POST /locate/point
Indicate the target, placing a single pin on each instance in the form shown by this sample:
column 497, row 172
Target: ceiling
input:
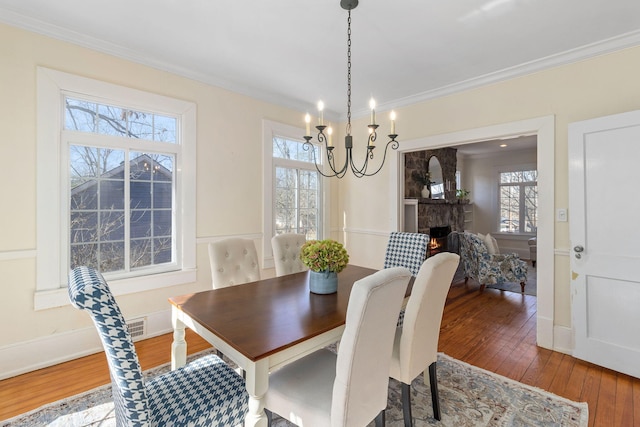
column 293, row 52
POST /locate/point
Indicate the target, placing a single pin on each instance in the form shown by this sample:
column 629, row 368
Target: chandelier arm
column 360, row 172
column 308, row 145
column 394, row 146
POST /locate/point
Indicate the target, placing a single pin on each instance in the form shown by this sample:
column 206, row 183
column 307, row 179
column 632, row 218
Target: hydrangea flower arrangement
column 324, row 255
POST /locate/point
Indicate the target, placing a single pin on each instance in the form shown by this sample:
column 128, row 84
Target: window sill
column 513, row 236
column 60, row 297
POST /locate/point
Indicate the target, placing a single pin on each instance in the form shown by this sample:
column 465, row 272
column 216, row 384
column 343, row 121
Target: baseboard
column 563, row 339
column 47, row 351
column 544, row 332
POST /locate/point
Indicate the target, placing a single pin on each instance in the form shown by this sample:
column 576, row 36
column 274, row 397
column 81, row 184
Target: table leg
column 179, row 345
column 257, row 382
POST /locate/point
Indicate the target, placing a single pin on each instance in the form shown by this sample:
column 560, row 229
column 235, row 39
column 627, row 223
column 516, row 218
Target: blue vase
column 323, row 282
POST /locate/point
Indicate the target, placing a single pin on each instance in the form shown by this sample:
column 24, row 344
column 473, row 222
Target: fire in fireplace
column 438, row 239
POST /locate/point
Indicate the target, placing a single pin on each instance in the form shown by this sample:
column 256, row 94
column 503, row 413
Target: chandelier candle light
column 326, row 139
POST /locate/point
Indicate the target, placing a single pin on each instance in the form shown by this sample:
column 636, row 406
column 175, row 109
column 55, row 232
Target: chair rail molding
column 19, row 254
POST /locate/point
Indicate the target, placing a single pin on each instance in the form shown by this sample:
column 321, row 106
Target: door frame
column 544, row 129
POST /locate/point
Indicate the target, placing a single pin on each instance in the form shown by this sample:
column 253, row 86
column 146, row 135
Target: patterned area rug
column 469, row 396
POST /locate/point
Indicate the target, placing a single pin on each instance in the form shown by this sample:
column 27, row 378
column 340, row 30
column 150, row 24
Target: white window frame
column 503, row 169
column 271, row 129
column 52, row 210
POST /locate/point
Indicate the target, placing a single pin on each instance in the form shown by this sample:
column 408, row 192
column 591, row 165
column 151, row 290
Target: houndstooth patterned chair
column 406, row 250
column 205, row 392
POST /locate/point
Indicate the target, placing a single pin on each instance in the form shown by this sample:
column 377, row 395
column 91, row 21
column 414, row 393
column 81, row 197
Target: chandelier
column 325, row 139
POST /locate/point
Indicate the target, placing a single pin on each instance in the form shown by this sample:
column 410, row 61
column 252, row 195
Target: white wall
column 229, row 190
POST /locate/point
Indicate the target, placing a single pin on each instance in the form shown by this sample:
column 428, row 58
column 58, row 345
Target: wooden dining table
column 264, row 325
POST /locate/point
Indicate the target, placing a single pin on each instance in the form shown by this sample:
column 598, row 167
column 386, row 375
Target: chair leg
column 380, row 419
column 406, row 404
column 482, row 287
column 522, row 286
column 269, row 416
column 435, row 399
column 466, row 279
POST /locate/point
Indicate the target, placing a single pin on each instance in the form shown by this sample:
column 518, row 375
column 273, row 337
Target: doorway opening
column 543, row 128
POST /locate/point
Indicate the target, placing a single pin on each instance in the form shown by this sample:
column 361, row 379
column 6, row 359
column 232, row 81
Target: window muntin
column 518, row 201
column 120, row 212
column 296, row 189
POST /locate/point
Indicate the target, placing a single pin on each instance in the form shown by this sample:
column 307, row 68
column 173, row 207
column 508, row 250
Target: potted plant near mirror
column 463, row 195
column 424, row 179
column 325, row 259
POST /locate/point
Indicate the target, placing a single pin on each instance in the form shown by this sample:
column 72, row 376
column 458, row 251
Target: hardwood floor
column 493, row 330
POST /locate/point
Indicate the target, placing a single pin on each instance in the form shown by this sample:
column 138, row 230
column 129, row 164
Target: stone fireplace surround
column 434, row 212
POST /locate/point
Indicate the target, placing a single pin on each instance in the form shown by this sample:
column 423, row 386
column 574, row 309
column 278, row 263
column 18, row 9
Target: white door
column 604, row 212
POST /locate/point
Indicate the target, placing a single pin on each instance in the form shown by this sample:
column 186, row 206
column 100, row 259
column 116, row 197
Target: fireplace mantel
column 422, row 200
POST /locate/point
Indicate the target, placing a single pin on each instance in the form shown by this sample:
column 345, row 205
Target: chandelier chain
column 349, row 74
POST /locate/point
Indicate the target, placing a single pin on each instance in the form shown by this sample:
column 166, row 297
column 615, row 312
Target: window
column 295, row 199
column 296, row 189
column 518, row 192
column 120, row 213
column 125, row 201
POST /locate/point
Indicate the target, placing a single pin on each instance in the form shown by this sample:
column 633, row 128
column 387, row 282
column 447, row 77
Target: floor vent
column 137, row 328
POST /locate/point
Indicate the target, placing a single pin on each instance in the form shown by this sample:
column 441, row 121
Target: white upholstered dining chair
column 415, row 348
column 234, row 261
column 348, row 389
column 286, row 253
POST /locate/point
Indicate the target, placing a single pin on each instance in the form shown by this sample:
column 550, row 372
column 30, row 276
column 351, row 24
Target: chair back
column 406, row 250
column 361, row 385
column 233, row 261
column 472, row 251
column 286, row 253
column 89, row 291
column 419, row 335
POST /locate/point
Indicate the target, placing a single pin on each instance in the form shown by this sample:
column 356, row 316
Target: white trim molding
column 544, row 129
column 52, row 248
column 27, row 356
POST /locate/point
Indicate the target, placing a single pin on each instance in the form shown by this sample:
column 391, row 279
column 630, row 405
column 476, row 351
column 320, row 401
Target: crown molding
column 602, row 47
column 582, row 53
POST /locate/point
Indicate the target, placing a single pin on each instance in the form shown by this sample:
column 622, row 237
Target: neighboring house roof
column 139, row 161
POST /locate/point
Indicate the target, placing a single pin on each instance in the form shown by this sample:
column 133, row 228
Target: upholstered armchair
column 489, row 269
column 533, row 250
